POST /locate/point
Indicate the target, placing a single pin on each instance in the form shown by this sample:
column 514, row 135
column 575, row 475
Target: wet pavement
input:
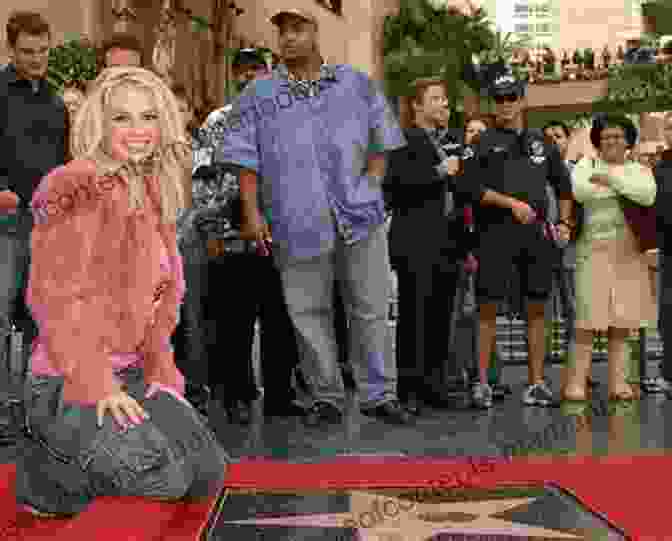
column 637, row 428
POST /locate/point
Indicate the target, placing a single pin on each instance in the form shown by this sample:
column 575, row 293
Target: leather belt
column 221, row 247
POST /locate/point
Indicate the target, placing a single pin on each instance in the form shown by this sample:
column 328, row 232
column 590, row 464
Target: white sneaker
column 658, row 385
column 538, row 394
column 482, row 395
column 37, row 513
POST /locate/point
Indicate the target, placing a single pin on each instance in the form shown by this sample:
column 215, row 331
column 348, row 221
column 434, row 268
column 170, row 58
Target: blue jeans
column 67, row 460
column 363, row 274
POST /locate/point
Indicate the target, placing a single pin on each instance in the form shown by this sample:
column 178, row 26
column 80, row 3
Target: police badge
column 537, row 152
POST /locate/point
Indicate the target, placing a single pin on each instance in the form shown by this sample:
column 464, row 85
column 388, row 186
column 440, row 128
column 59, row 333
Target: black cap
column 250, row 56
column 495, row 79
column 501, row 81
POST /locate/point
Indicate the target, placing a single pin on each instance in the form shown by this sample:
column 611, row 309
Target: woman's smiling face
column 132, row 123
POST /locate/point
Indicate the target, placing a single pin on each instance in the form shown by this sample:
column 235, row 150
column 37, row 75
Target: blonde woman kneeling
column 105, row 408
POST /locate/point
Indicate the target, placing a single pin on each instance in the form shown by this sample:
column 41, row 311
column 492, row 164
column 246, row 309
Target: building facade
column 350, row 32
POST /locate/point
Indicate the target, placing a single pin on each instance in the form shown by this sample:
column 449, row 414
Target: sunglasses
column 510, row 98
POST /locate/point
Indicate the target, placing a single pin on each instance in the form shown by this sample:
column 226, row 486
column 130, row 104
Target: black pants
column 231, row 310
column 665, row 314
column 279, row 347
column 21, row 313
column 243, row 287
column 427, row 289
column 189, row 337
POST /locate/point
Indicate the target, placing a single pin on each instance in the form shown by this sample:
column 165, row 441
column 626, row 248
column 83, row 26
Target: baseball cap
column 503, row 82
column 294, row 12
column 248, row 56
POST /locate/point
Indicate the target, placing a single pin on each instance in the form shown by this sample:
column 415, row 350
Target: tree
column 425, row 40
column 657, row 16
column 503, row 47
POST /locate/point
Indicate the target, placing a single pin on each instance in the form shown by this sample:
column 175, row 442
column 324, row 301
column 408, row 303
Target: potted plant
column 74, row 61
column 577, row 58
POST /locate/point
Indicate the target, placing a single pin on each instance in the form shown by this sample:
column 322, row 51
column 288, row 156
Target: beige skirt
column 614, row 286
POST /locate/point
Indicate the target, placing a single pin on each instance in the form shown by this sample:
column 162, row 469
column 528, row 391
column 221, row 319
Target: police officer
column 507, row 184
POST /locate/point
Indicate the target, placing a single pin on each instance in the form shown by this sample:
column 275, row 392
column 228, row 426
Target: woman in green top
column 612, row 281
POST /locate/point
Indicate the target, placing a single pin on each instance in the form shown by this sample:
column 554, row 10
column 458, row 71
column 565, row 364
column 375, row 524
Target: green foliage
column 425, row 41
column 638, row 88
column 72, row 61
column 199, row 23
column 661, row 11
column 503, row 47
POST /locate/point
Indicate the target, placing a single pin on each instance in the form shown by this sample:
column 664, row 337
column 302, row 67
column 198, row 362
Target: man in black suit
column 425, row 245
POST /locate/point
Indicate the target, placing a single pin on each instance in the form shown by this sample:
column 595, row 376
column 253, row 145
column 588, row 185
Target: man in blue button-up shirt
column 316, row 135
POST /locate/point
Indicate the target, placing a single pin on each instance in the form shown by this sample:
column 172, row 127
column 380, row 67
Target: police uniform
column 518, row 164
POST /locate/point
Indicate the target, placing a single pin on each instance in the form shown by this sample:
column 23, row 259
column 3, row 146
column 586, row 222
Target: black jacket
column 515, row 164
column 663, row 175
column 33, row 133
column 416, row 194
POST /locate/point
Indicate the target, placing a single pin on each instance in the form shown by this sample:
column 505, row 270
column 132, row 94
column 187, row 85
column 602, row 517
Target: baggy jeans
column 67, row 460
column 364, row 274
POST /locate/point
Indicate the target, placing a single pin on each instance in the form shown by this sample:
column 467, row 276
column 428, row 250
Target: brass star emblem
column 390, row 518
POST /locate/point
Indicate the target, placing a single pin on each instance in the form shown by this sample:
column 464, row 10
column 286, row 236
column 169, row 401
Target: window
column 521, row 9
column 543, row 9
column 521, row 28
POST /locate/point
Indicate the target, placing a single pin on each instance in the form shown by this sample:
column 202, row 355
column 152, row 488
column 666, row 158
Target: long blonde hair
column 173, row 153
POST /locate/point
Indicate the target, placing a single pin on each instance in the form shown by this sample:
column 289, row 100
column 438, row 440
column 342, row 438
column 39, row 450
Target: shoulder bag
column 642, row 222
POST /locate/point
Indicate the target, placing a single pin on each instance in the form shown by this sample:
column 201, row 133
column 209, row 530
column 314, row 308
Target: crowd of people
column 142, row 300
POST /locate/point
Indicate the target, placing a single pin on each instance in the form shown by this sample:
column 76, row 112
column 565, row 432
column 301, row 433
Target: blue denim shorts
column 67, row 460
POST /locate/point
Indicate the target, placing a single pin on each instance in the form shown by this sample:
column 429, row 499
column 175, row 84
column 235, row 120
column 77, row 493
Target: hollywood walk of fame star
column 419, row 521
